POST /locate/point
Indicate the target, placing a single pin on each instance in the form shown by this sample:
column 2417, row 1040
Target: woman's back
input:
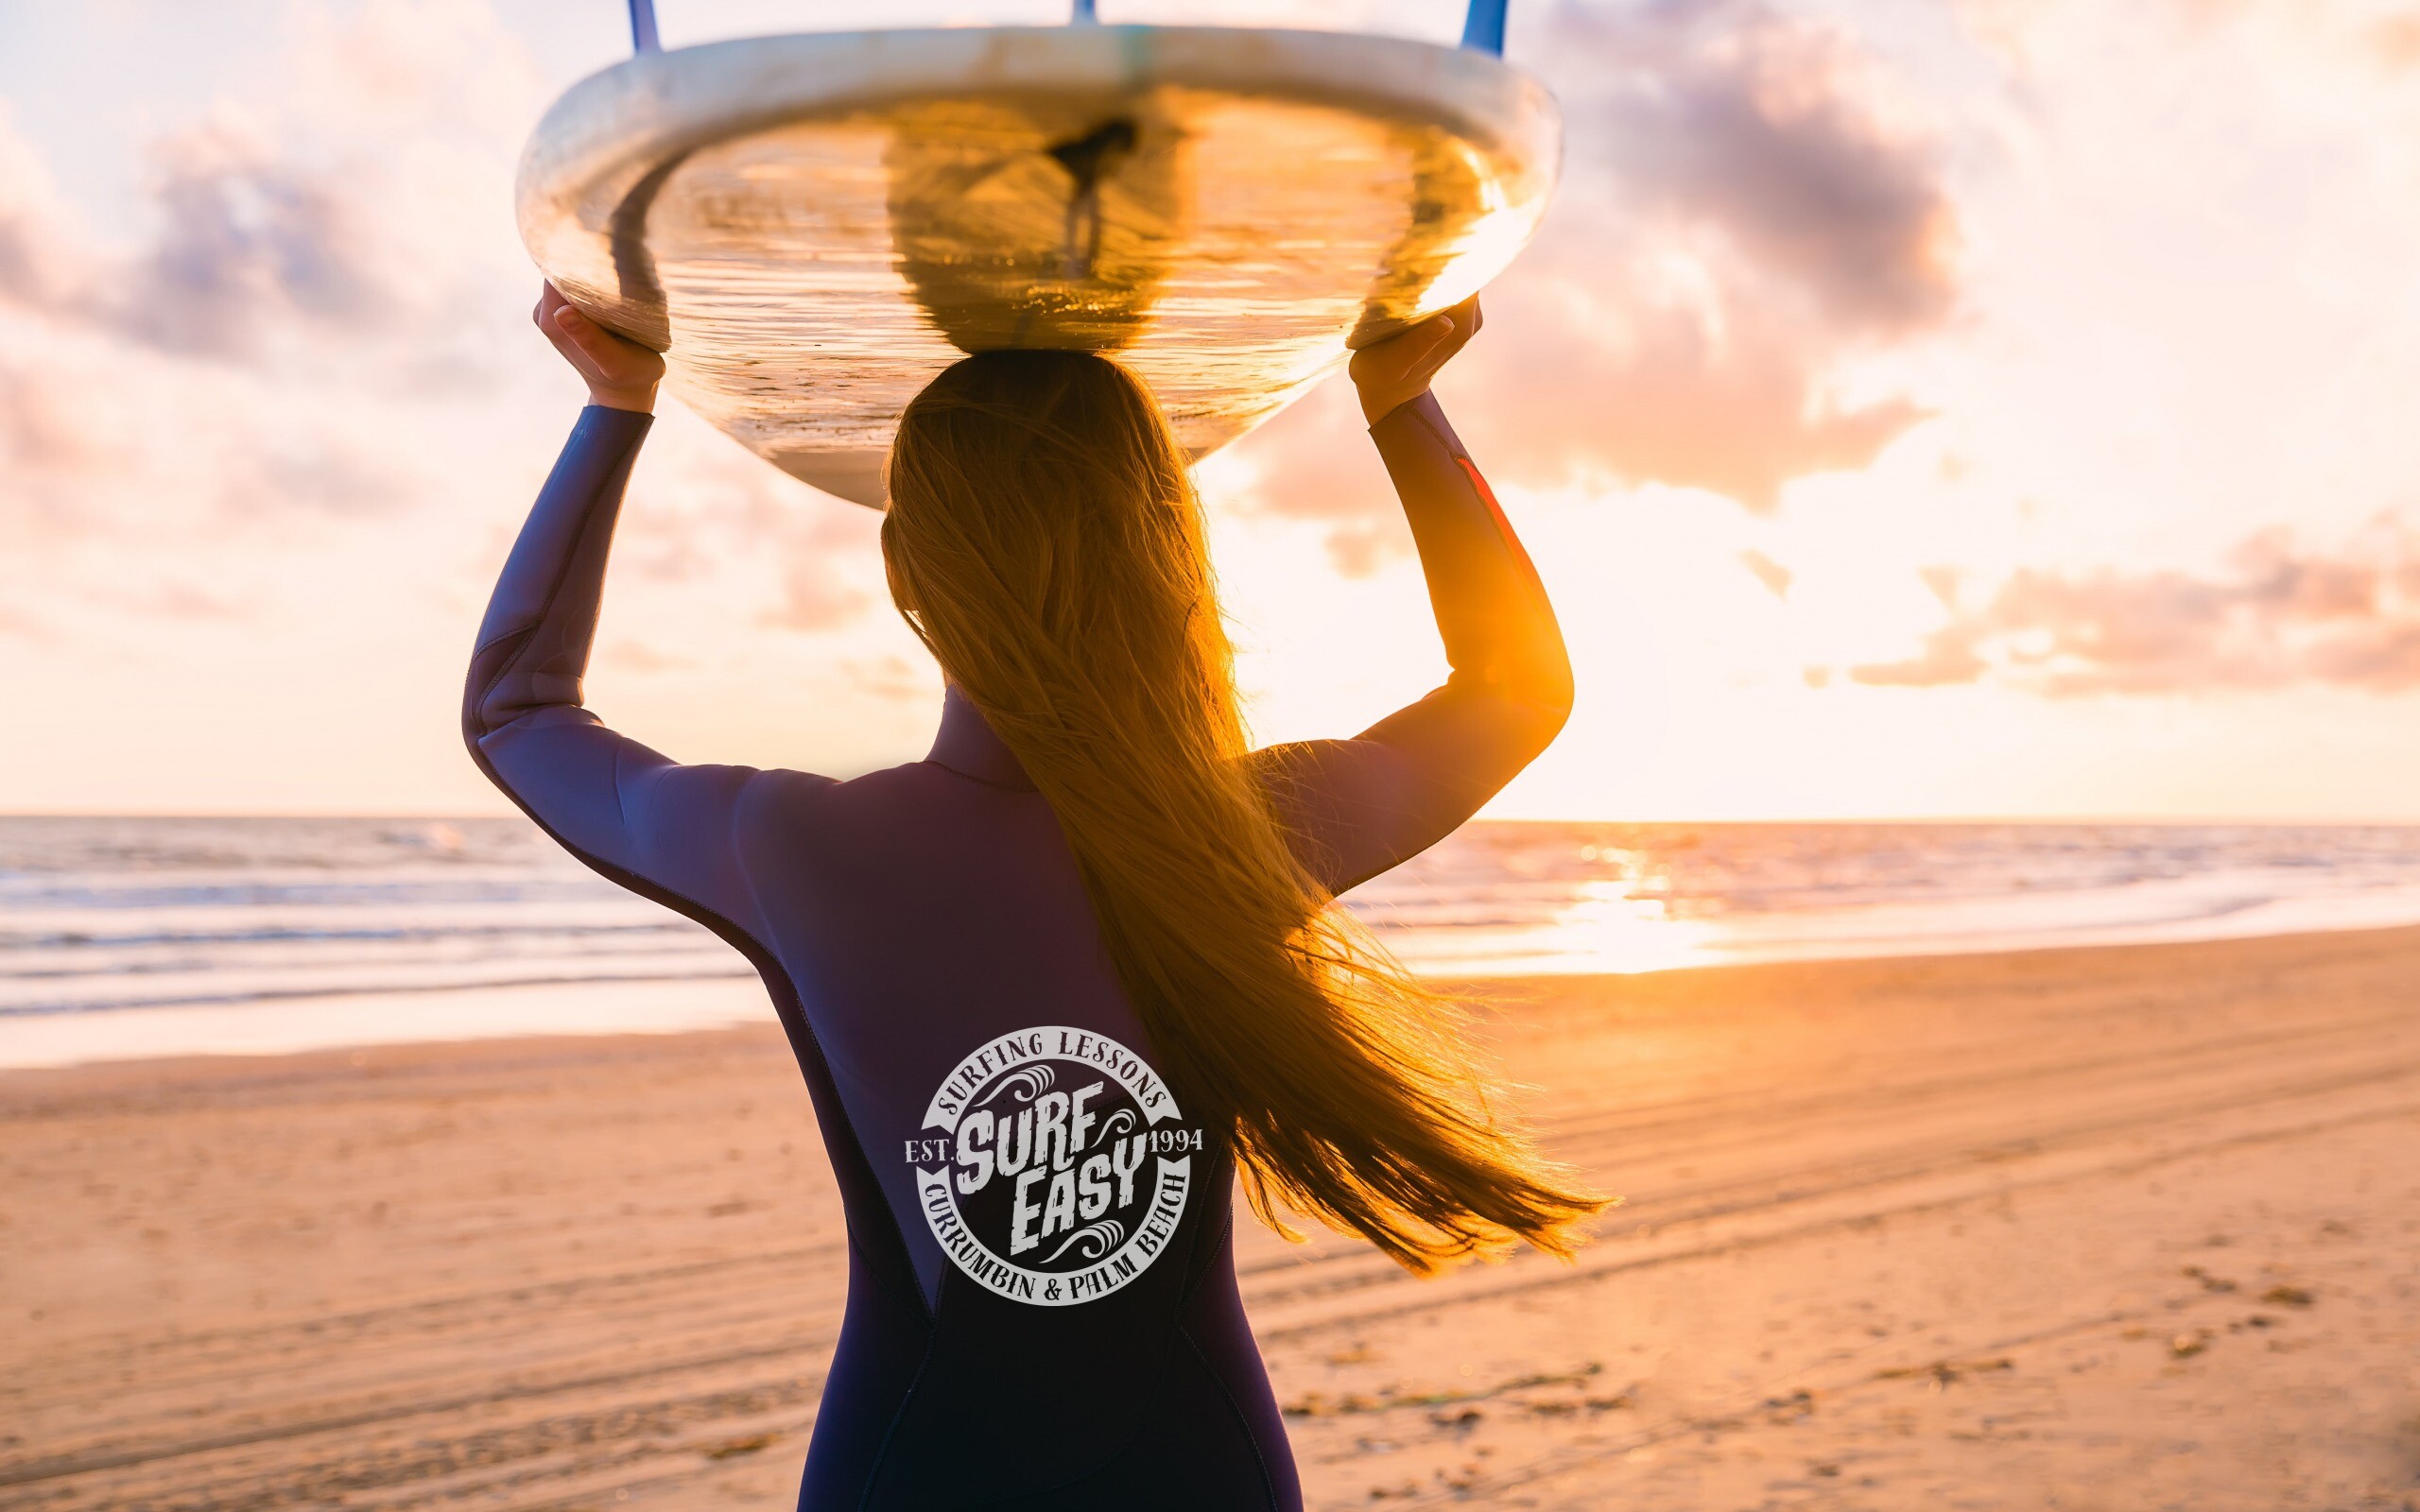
column 1041, row 1304
column 1035, row 1225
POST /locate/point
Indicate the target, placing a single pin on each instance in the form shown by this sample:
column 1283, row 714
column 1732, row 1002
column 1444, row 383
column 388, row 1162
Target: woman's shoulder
column 911, row 791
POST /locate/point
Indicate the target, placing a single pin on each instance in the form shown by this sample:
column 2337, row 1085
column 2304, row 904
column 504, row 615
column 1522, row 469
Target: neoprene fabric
column 1062, row 1330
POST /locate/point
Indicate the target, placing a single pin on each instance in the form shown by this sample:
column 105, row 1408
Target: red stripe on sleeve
column 1495, row 512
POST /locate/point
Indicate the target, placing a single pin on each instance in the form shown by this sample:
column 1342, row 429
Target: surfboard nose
column 812, row 226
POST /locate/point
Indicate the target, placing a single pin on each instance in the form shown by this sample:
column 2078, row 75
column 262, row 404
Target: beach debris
column 749, row 1444
column 1389, row 1397
column 2185, row 1345
column 1319, row 1404
column 2209, row 1282
column 1823, row 1469
column 2284, row 1296
column 1946, row 1373
column 1796, row 1407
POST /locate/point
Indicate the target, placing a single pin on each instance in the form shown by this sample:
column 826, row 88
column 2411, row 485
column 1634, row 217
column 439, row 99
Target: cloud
column 330, row 205
column 179, row 599
column 305, row 342
column 1728, row 115
column 1948, row 657
column 301, row 334
column 2278, row 616
column 24, row 626
column 1664, row 396
column 2394, row 40
column 39, row 427
column 1776, row 577
column 703, row 511
column 30, row 214
column 1745, row 210
column 251, row 243
column 332, row 482
column 815, row 598
column 637, row 655
column 894, row 679
column 1313, row 462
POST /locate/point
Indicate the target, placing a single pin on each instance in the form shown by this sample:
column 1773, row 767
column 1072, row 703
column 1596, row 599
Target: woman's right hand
column 1393, row 373
column 621, row 374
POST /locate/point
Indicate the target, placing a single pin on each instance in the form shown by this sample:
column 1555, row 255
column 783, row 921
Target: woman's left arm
column 652, row 824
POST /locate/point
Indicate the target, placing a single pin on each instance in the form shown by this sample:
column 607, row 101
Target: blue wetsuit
column 1042, row 1308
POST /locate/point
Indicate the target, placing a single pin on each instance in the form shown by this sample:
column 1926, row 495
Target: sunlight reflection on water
column 1506, row 899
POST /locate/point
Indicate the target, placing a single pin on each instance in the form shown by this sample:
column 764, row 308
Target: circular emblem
column 1055, row 1167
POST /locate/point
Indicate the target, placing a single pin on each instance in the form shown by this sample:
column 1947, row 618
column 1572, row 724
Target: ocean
column 126, row 937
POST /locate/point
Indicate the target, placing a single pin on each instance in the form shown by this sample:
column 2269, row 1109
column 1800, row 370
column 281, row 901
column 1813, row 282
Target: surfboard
column 811, row 227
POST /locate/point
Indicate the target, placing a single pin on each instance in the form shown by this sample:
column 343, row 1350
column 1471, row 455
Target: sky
column 1917, row 408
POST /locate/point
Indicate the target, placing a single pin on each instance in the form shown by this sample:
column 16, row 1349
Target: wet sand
column 2119, row 1228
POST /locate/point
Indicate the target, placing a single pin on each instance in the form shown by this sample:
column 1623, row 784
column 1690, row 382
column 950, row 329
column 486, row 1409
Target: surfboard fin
column 1483, row 27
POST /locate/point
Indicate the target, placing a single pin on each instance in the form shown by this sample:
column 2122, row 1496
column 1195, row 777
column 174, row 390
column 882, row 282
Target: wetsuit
column 1042, row 1307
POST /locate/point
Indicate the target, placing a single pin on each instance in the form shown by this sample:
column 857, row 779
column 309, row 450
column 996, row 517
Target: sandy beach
column 2119, row 1228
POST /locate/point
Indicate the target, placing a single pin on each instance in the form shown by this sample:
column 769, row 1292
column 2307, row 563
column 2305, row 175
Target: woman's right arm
column 642, row 819
column 1358, row 807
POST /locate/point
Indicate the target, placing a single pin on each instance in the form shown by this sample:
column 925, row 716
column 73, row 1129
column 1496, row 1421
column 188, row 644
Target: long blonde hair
column 1044, row 541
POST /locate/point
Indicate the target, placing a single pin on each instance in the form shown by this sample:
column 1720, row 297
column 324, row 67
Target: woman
column 1055, row 986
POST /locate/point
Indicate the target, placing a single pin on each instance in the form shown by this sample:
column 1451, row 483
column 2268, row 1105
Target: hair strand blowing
column 1044, row 541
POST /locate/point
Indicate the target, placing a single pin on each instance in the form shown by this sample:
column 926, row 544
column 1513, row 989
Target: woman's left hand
column 1393, row 373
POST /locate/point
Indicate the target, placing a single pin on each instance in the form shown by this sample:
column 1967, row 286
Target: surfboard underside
column 810, row 227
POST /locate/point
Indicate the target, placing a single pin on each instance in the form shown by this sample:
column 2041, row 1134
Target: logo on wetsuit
column 1060, row 1168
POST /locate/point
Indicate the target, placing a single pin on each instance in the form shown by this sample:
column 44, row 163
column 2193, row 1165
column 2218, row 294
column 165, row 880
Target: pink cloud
column 1768, row 131
column 252, row 240
column 894, row 679
column 1776, row 577
column 2279, row 616
column 233, row 364
column 277, row 356
column 30, row 216
column 23, row 626
column 1742, row 213
column 815, row 598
